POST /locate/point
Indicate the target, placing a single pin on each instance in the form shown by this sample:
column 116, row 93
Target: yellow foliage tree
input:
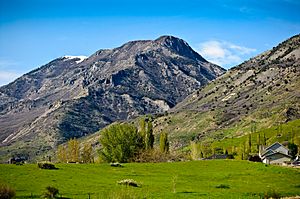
column 62, row 154
column 73, row 150
column 86, row 155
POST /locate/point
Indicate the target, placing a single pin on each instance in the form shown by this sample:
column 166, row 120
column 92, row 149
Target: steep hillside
column 76, row 96
column 263, row 91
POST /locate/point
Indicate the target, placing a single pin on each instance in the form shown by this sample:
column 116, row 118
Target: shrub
column 7, row 192
column 128, row 182
column 51, row 192
column 46, row 165
column 272, row 194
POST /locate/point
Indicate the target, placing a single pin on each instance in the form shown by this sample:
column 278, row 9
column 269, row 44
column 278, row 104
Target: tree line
column 71, row 152
column 120, row 142
column 124, row 142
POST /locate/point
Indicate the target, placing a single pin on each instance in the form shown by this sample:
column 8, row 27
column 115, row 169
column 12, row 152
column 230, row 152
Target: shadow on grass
column 191, row 193
column 35, row 196
column 31, row 196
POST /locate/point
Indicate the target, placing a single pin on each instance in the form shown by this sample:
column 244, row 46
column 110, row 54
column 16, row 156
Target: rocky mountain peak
column 179, row 46
column 75, row 96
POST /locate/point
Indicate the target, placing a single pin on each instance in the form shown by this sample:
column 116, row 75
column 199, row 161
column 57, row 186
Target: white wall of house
column 276, row 159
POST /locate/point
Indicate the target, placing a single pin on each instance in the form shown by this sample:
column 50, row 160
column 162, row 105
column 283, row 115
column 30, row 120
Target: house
column 275, row 154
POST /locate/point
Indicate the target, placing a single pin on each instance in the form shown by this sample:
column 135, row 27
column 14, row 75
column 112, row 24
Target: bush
column 7, row 192
column 223, row 186
column 46, row 165
column 128, row 182
column 51, row 192
column 272, row 194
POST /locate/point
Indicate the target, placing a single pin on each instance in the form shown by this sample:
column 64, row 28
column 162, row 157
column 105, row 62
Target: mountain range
column 259, row 96
column 76, row 96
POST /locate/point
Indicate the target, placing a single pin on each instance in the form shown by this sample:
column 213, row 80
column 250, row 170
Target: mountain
column 263, row 92
column 75, row 96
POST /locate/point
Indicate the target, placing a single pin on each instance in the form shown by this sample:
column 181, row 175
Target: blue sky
column 34, row 32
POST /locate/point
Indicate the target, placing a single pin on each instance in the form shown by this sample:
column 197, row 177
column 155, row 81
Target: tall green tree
column 258, row 142
column 293, row 149
column 264, row 142
column 163, row 142
column 146, row 131
column 120, row 142
column 249, row 143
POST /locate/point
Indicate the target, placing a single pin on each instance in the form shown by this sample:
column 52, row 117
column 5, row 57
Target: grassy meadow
column 194, row 179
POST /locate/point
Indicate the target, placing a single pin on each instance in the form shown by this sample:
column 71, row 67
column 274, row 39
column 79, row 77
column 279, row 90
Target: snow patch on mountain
column 81, row 58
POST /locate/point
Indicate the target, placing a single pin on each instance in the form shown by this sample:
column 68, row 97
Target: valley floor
column 195, row 179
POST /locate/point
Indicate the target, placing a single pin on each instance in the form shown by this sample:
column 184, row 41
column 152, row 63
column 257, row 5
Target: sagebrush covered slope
column 264, row 90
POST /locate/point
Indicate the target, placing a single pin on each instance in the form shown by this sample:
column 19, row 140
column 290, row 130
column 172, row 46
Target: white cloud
column 9, row 70
column 7, row 63
column 7, row 77
column 224, row 53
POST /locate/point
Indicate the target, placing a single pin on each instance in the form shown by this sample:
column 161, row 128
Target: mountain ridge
column 70, row 97
column 263, row 91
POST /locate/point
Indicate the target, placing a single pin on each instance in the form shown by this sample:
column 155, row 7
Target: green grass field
column 195, row 179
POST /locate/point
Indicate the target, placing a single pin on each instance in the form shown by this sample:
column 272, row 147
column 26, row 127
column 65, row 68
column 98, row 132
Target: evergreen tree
column 149, row 138
column 243, row 152
column 264, row 140
column 249, row 143
column 293, row 148
column 146, row 131
column 258, row 142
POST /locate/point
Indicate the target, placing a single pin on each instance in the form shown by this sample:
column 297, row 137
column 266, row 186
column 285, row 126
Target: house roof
column 272, row 148
column 268, row 152
column 277, row 153
column 276, row 145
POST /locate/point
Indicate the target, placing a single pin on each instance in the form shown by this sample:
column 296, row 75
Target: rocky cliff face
column 75, row 96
